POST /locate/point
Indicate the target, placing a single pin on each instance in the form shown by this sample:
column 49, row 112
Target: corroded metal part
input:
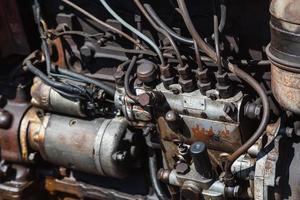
column 286, row 10
column 9, row 138
column 286, row 88
column 88, row 146
column 83, row 190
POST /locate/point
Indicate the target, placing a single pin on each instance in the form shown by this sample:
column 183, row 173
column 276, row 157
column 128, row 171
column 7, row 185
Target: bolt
column 121, row 156
column 144, row 99
column 182, row 168
column 5, row 119
column 171, row 116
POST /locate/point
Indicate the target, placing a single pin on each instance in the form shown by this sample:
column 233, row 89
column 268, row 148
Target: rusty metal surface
column 265, row 168
column 9, row 138
column 286, row 88
column 287, row 10
column 217, row 135
column 86, row 191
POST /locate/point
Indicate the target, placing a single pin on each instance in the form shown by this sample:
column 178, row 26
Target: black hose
column 153, row 176
column 45, row 48
column 127, row 81
column 59, row 86
column 152, row 163
column 157, row 19
column 108, row 89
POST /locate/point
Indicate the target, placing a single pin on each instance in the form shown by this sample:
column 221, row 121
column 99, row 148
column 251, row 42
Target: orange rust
column 203, row 134
column 60, row 59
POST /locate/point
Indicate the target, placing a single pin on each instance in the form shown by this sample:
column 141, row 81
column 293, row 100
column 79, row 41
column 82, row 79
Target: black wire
column 152, row 163
column 108, row 89
column 59, row 86
column 127, row 81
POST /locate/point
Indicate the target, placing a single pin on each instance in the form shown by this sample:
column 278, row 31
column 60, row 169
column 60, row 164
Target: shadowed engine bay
column 141, row 99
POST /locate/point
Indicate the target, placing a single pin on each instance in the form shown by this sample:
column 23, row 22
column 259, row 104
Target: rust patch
column 203, row 134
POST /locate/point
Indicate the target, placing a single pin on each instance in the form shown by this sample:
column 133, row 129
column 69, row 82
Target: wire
column 217, row 38
column 162, row 31
column 152, row 162
column 113, row 29
column 201, row 43
column 134, row 30
column 109, row 90
column 127, row 81
column 59, row 86
column 156, row 18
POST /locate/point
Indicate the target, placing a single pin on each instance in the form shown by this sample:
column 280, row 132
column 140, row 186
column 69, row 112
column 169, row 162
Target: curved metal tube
column 201, row 43
column 264, row 121
column 159, row 29
column 134, row 30
column 113, row 29
column 156, row 18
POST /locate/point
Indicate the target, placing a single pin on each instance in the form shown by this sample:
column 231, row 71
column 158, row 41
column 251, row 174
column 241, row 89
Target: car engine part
column 149, row 100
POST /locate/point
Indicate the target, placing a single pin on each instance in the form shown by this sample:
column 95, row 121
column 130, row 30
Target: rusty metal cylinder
column 81, row 145
column 284, row 53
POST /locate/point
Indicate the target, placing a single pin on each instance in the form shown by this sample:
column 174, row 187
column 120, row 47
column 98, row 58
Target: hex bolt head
column 182, row 168
column 144, row 99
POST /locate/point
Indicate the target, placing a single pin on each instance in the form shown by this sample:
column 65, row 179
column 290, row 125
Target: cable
column 45, row 49
column 113, row 29
column 217, row 38
column 59, row 86
column 153, row 167
column 134, row 30
column 201, row 43
column 159, row 29
column 156, row 18
column 264, row 121
column 109, row 90
column 127, row 81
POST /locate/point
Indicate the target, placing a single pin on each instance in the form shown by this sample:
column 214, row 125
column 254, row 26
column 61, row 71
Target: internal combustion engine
column 149, row 100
